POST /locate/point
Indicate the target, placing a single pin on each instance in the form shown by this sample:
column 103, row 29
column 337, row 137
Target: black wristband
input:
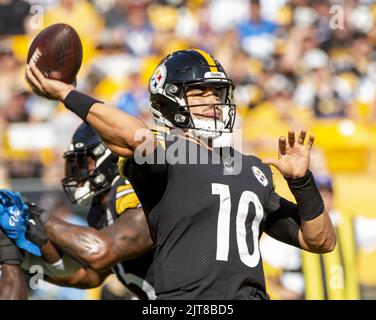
column 79, row 103
column 9, row 253
column 307, row 196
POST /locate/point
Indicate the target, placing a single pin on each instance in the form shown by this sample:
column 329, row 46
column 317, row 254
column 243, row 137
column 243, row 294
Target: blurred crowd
column 296, row 64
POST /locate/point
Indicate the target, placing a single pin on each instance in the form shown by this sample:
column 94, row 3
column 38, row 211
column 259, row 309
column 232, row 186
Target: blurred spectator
column 135, row 99
column 361, row 50
column 135, row 26
column 115, row 61
column 319, row 90
column 13, row 16
column 16, row 110
column 299, row 40
column 322, row 20
column 223, row 14
column 257, row 35
column 9, row 72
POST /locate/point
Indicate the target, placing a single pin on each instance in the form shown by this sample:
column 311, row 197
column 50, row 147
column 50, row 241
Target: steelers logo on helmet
column 260, row 176
column 158, row 79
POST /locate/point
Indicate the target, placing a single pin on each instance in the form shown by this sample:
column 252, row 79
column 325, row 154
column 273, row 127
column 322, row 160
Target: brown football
column 57, row 52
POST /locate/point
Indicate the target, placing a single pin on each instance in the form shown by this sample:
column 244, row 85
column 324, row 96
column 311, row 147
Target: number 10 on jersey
column 223, row 226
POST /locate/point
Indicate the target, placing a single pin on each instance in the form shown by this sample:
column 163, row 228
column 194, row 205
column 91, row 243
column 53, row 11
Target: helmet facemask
column 221, row 116
column 88, row 173
column 203, row 127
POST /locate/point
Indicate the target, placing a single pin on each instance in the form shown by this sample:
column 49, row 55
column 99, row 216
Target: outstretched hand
column 293, row 155
column 48, row 88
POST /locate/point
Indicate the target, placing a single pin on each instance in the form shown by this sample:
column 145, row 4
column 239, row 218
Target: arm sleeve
column 282, row 220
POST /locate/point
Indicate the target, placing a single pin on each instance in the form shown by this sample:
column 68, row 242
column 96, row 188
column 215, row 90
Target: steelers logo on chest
column 260, row 176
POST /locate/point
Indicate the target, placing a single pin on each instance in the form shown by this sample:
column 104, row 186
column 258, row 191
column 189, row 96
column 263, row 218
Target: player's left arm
column 127, row 238
column 316, row 232
column 12, row 281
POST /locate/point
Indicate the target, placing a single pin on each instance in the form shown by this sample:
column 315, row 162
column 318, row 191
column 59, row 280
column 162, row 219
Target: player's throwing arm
column 117, row 128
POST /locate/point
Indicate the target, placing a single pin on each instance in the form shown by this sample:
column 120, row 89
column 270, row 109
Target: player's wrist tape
column 9, row 253
column 79, row 103
column 307, row 196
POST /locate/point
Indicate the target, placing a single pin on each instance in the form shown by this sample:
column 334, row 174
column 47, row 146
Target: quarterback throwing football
column 205, row 223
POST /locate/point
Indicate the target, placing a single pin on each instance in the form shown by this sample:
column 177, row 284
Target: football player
column 205, row 223
column 118, row 228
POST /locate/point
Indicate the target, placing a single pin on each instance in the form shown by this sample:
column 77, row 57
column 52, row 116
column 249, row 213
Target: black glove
column 37, row 218
column 9, row 253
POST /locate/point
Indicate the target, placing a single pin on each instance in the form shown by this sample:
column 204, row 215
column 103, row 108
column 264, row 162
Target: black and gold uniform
column 206, row 223
column 135, row 274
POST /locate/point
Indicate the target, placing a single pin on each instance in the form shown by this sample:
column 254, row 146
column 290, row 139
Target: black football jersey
column 205, row 219
column 136, row 274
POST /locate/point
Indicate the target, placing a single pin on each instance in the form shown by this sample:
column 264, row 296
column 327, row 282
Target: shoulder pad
column 126, row 198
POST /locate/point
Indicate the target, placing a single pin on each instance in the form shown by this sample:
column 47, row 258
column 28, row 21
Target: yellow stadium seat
column 345, row 143
column 367, row 262
column 354, row 192
column 20, row 45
